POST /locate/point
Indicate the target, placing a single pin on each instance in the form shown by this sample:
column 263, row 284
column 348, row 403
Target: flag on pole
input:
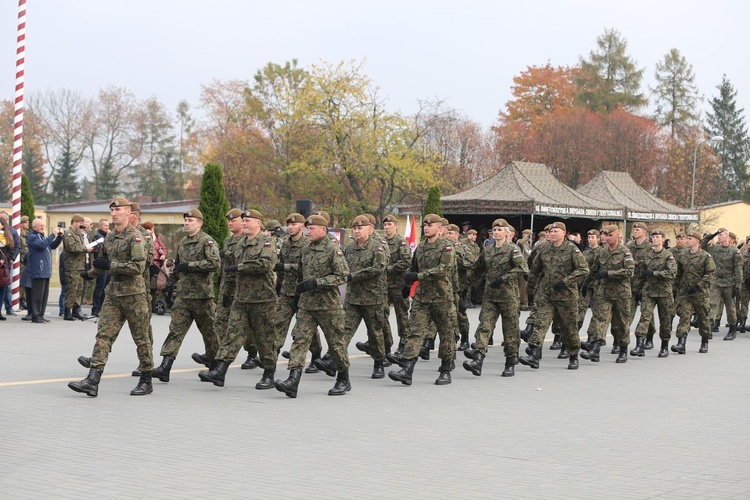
column 411, row 237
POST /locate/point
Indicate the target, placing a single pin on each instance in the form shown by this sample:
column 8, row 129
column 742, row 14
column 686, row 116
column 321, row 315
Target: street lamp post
column 717, row 139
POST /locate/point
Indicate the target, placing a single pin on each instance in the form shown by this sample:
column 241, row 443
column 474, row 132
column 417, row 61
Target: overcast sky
column 466, row 52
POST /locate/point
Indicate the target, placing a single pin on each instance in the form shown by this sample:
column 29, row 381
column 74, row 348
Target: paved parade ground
column 674, row 428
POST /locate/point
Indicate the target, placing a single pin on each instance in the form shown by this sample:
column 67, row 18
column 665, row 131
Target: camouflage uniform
column 195, row 294
column 726, row 282
column 150, row 250
column 75, row 262
column 657, row 292
column 400, row 258
column 588, row 286
column 124, row 299
column 464, row 259
column 433, row 304
column 744, row 290
column 365, row 293
column 504, row 263
column 551, row 265
column 694, row 273
column 24, row 234
column 323, row 261
column 639, row 252
column 227, row 286
column 253, row 310
column 612, row 297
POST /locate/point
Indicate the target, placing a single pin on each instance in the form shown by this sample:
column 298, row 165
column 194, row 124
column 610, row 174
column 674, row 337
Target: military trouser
column 523, row 292
column 424, row 317
column 698, row 302
column 400, row 309
column 488, row 315
column 254, row 320
column 666, row 308
column 584, row 302
column 221, row 321
column 115, row 312
column 285, row 310
column 462, row 320
column 332, row 323
column 184, row 312
column 373, row 318
column 562, row 312
column 636, row 299
column 73, row 288
column 723, row 296
column 744, row 299
column 611, row 311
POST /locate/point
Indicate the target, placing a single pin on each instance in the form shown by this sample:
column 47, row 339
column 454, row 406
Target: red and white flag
column 411, row 237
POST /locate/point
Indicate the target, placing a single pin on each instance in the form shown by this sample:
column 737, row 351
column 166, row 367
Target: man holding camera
column 75, row 251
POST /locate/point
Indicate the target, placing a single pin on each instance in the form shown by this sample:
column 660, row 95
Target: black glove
column 348, row 278
column 222, row 253
column 230, row 269
column 497, row 282
column 560, row 285
column 747, row 283
column 306, row 286
column 647, row 272
column 410, row 278
column 278, row 267
column 226, row 301
column 405, row 291
column 100, row 263
column 601, row 275
column 693, row 290
column 182, row 267
column 85, row 275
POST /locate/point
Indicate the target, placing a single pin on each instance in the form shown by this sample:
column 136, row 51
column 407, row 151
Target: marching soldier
column 593, row 237
column 726, row 282
column 639, row 247
column 228, row 279
column 398, row 264
column 75, row 263
column 464, row 259
column 745, row 289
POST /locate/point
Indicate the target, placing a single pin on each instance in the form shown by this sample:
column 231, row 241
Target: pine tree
column 27, row 198
column 65, row 187
column 676, row 93
column 106, row 181
column 213, row 203
column 728, row 121
column 433, row 205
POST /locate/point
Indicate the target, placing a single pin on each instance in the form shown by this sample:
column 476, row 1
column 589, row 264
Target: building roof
column 723, row 204
column 103, row 206
column 640, row 205
column 525, row 188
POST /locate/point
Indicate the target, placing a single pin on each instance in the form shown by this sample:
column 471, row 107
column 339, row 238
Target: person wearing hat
column 123, row 254
column 23, row 233
column 102, row 279
column 433, row 304
column 680, row 245
column 693, row 281
column 525, row 244
column 726, row 281
column 593, row 240
column 563, row 268
column 321, row 269
column 464, row 260
column 253, row 310
column 612, row 267
column 500, row 265
column 640, row 247
column 192, row 278
column 275, row 232
column 660, row 270
column 398, row 263
column 744, row 298
column 471, row 243
column 286, row 304
column 75, row 250
column 228, row 279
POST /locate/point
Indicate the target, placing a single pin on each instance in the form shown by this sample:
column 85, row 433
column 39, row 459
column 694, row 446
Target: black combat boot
column 615, row 349
column 664, row 351
column 424, row 351
column 704, row 346
column 694, row 321
column 396, row 358
column 528, row 351
column 144, row 385
column 564, row 353
column 215, row 375
column 587, row 344
column 526, row 332
column 311, row 368
column 556, row 344
column 89, row 385
column 715, row 325
column 84, row 361
column 400, row 347
column 326, row 364
column 573, row 362
column 732, row 334
column 638, row 350
column 464, row 343
column 532, row 360
column 445, row 373
column 742, row 325
column 649, row 343
column 679, row 348
column 475, row 365
column 342, row 385
column 593, row 353
column 363, row 346
column 201, row 359
column 386, row 363
column 251, row 362
column 76, row 313
column 290, row 385
column 284, row 354
column 623, row 357
column 162, row 371
column 471, row 353
column 266, row 381
column 377, row 369
column 510, row 366
column 405, row 373
column 68, row 315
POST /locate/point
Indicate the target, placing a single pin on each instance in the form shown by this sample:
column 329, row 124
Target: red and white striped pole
column 18, row 140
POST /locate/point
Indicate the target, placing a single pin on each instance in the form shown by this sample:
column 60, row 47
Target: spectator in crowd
column 38, row 270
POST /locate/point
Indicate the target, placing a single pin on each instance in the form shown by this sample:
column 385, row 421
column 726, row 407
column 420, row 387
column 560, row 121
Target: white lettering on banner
column 662, row 216
column 594, row 213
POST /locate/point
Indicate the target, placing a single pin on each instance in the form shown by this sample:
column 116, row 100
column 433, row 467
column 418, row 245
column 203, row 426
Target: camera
column 61, row 225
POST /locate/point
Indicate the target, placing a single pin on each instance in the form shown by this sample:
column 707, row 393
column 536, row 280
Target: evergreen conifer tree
column 213, row 203
column 432, row 205
column 27, row 198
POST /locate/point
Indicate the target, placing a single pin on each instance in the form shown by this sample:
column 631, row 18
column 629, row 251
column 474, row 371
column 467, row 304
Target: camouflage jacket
column 506, row 262
column 746, row 267
column 565, row 263
column 256, row 281
column 695, row 269
column 678, row 252
column 664, row 266
column 727, row 260
column 590, row 254
column 75, row 251
column 228, row 279
column 639, row 252
column 399, row 262
column 434, row 264
column 620, row 265
column 324, row 262
column 465, row 260
column 289, row 256
column 148, row 247
column 367, row 268
column 202, row 255
column 24, row 234
column 127, row 260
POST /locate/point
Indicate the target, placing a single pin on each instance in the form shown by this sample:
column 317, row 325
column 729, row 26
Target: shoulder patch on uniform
column 578, row 250
column 403, row 243
column 148, row 237
column 628, row 254
column 267, row 244
column 515, row 250
column 137, row 239
column 380, row 249
column 210, row 242
column 671, row 257
column 339, row 253
column 448, row 249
